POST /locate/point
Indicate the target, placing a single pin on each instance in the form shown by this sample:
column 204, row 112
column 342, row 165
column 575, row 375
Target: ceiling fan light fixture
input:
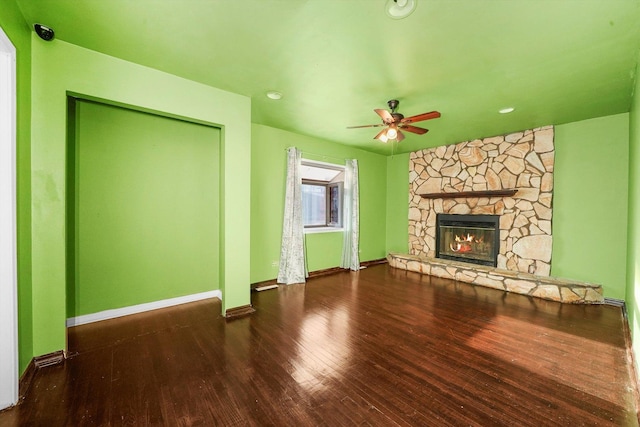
column 392, row 133
column 398, row 9
column 395, row 123
column 382, row 136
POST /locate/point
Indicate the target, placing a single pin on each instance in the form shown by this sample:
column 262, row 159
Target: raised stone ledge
column 549, row 288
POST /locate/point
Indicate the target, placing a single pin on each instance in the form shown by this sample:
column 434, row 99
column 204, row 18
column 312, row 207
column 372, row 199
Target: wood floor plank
column 378, row 347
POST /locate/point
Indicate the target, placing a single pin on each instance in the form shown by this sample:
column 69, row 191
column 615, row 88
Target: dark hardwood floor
column 380, row 347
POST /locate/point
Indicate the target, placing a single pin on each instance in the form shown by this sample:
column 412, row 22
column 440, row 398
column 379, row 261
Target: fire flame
column 463, row 243
column 468, row 238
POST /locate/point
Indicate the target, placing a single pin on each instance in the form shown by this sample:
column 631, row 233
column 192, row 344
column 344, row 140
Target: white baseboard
column 133, row 309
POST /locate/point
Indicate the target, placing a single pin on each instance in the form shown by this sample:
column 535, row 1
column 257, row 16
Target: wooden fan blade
column 400, row 136
column 378, row 136
column 385, row 115
column 414, row 129
column 421, row 117
column 366, row 126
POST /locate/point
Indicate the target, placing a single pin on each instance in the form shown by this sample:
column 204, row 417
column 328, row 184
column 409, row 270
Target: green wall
column 590, row 202
column 19, row 33
column 60, row 69
column 268, row 175
column 398, row 203
column 147, row 208
column 633, row 228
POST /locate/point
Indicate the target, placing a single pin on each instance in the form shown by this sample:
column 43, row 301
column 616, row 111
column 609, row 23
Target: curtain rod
column 320, row 155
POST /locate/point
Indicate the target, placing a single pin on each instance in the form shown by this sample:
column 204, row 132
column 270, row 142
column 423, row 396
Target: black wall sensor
column 45, row 33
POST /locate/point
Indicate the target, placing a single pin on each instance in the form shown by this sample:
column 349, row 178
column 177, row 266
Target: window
column 322, row 193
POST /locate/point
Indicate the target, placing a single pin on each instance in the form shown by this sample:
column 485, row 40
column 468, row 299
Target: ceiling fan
column 395, row 122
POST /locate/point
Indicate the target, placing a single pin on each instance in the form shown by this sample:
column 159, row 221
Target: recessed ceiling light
column 398, row 9
column 506, row 110
column 272, row 94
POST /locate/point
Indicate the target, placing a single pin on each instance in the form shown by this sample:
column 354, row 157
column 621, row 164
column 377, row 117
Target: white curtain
column 292, row 257
column 351, row 219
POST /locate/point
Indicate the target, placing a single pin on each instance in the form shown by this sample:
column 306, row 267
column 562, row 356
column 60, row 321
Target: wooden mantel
column 508, row 192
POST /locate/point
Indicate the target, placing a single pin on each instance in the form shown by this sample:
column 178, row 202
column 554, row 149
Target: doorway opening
column 142, row 210
column 8, row 252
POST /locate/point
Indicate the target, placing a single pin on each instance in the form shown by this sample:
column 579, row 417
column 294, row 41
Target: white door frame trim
column 9, row 376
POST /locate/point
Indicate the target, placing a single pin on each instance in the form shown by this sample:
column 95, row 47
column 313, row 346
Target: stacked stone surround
column 522, row 161
column 548, row 288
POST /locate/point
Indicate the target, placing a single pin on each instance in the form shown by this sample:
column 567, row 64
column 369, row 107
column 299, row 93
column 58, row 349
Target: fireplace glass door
column 468, row 238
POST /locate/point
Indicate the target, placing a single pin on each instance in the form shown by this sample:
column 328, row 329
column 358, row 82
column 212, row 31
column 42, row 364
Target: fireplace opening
column 468, row 238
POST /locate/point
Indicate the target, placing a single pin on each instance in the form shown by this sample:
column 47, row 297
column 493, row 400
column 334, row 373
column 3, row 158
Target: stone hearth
column 549, row 288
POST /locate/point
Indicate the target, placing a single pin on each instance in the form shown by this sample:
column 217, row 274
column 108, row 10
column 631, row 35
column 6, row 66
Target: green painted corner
column 145, row 194
column 590, row 202
column 632, row 297
column 398, row 203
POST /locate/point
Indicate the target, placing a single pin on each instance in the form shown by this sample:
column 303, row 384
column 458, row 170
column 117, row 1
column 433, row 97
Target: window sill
column 323, row 230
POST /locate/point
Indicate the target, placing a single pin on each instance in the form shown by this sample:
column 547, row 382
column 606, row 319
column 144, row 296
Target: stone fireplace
column 510, row 176
column 468, row 238
column 507, row 179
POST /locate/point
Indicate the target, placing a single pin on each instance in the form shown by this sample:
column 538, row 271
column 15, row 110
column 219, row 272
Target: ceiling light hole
column 506, row 110
column 272, row 94
column 398, row 9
